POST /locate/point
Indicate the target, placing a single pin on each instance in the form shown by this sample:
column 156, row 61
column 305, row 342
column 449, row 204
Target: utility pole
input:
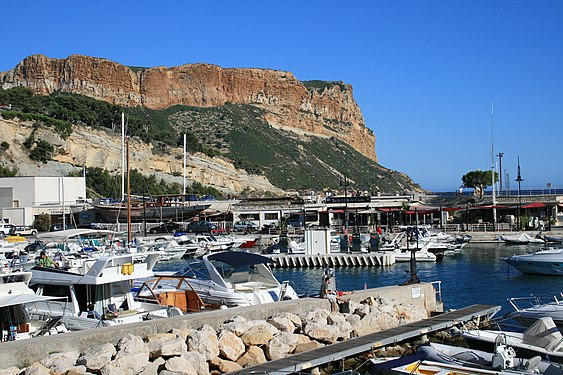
column 519, row 180
column 500, row 155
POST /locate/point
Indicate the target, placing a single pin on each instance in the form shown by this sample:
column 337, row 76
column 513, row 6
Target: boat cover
column 239, row 258
column 544, row 333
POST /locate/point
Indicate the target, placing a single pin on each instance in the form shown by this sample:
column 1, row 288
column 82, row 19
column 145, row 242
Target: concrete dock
column 333, row 260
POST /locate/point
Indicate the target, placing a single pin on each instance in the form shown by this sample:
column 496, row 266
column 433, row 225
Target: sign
column 415, row 293
column 347, row 199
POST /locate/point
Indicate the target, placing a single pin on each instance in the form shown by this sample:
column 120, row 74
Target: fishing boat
column 547, row 261
column 230, row 278
column 105, row 283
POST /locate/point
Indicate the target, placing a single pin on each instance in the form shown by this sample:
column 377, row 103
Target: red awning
column 388, row 209
column 534, row 205
column 337, row 211
column 453, row 208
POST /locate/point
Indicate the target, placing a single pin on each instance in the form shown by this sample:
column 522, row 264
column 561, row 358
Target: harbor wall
column 25, row 352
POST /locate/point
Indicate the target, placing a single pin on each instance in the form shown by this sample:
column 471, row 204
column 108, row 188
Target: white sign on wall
column 415, row 293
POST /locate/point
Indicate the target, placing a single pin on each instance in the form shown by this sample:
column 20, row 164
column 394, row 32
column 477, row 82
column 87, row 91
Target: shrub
column 4, row 145
column 42, row 151
column 42, row 222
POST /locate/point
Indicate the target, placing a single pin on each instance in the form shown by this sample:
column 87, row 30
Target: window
column 271, row 216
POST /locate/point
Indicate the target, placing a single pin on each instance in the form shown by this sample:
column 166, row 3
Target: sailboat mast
column 493, row 166
column 128, row 199
column 122, row 155
column 184, row 168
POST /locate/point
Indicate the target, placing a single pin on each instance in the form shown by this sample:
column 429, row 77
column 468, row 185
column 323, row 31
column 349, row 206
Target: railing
column 437, row 285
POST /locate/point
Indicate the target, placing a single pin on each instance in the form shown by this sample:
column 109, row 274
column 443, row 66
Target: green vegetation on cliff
column 234, row 131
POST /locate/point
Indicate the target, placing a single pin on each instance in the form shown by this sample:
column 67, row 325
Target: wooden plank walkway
column 354, row 346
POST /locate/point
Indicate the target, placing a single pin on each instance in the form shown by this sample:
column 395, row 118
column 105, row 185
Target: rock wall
column 98, row 148
column 329, row 111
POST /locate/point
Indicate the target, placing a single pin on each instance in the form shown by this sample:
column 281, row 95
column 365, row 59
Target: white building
column 22, row 198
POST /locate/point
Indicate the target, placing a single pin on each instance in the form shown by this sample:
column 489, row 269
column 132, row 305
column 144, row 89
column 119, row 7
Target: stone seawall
column 25, row 352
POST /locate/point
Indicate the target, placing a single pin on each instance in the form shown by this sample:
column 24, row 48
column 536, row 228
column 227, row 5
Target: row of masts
column 125, row 168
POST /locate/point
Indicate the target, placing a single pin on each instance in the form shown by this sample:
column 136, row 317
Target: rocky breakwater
column 315, row 107
column 238, row 342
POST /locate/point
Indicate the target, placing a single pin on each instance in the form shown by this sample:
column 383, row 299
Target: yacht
column 105, row 283
column 15, row 320
column 226, row 278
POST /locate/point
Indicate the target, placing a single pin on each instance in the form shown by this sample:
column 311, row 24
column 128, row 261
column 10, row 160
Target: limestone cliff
column 327, row 110
column 99, row 148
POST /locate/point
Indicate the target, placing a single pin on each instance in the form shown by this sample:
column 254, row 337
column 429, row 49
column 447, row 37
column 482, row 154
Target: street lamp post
column 519, row 180
column 500, row 155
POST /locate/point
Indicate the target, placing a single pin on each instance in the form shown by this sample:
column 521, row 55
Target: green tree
column 42, row 222
column 478, row 180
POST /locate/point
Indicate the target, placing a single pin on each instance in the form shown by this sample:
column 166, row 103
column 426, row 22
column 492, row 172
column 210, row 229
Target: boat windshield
column 197, row 270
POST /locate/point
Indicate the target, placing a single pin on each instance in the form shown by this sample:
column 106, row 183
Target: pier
column 314, row 358
column 332, row 260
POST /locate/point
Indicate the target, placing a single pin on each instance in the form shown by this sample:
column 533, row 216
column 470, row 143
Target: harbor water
column 475, row 276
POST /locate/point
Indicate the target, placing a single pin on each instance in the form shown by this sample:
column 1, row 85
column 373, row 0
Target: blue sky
column 424, row 72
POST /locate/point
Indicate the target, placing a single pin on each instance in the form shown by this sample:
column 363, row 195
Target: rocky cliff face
column 90, row 147
column 329, row 110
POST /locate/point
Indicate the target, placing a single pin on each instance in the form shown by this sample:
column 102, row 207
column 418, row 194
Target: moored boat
column 543, row 262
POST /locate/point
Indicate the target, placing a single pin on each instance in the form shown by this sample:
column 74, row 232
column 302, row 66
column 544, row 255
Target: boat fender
column 127, row 269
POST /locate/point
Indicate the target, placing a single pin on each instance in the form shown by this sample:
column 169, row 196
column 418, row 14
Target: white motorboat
column 15, row 321
column 535, row 309
column 541, row 339
column 105, row 283
column 230, row 278
column 421, row 254
column 169, row 249
column 522, row 239
column 543, row 262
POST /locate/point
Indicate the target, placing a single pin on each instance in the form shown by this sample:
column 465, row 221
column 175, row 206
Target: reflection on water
column 477, row 275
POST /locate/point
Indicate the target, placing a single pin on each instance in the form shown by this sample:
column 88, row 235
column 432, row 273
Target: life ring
column 127, row 269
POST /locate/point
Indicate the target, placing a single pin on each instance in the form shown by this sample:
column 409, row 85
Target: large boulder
column 153, row 367
column 281, row 345
column 11, row 371
column 198, row 362
column 322, row 332
column 165, row 345
column 231, row 346
column 37, row 369
column 180, row 365
column 132, row 345
column 205, row 342
column 224, row 366
column 341, row 322
column 361, row 309
column 306, row 346
column 259, row 334
column 237, row 325
column 282, row 323
column 317, row 316
column 374, row 322
column 60, row 362
column 97, row 357
column 253, row 356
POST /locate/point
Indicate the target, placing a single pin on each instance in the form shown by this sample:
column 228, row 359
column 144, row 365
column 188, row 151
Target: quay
column 332, row 260
column 314, row 358
column 23, row 353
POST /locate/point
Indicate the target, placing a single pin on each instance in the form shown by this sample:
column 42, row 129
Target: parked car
column 201, row 226
column 167, row 228
column 23, row 230
column 243, row 225
column 5, row 228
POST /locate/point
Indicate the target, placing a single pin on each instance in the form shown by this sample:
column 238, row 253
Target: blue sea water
column 476, row 276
